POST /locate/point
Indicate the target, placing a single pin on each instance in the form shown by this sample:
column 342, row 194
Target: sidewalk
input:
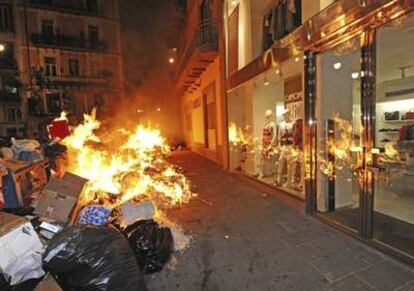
column 245, row 240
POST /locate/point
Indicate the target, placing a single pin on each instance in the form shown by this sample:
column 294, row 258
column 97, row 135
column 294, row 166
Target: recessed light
column 337, row 65
column 355, row 75
column 297, row 59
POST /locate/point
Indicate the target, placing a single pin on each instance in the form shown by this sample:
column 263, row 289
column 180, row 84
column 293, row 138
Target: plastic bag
column 94, row 215
column 93, row 258
column 152, row 244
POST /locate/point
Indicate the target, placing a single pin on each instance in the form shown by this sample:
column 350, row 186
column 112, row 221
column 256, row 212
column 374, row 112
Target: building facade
column 200, row 81
column 10, row 112
column 318, row 103
column 69, row 58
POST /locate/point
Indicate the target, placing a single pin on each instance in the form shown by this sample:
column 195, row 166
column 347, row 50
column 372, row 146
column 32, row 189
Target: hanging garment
column 267, row 40
column 290, row 15
column 281, row 11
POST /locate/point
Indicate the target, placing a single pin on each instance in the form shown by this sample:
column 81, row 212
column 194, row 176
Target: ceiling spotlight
column 171, row 60
column 337, row 65
column 266, row 81
column 355, row 75
column 159, row 109
column 297, row 59
column 2, row 47
column 234, row 2
column 277, row 71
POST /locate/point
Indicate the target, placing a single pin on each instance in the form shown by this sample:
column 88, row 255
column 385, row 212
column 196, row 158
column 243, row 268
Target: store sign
column 295, row 97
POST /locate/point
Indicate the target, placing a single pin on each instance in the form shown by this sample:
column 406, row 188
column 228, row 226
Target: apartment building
column 69, row 58
column 10, row 114
column 200, row 81
column 314, row 99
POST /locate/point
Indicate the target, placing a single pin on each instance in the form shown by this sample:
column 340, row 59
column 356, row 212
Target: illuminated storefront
column 327, row 115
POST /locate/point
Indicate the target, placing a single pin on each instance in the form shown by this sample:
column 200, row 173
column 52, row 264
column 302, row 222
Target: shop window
column 265, row 128
column 47, row 28
column 5, row 19
column 74, row 67
column 394, row 129
column 233, row 41
column 50, row 66
column 280, row 20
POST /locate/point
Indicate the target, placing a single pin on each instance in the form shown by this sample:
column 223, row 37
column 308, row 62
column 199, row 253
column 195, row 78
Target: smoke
column 148, row 32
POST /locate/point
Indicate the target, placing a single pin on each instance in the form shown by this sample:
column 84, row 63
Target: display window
column 394, row 128
column 266, row 127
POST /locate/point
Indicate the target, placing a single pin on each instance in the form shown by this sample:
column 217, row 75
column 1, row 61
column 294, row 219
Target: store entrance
column 338, row 110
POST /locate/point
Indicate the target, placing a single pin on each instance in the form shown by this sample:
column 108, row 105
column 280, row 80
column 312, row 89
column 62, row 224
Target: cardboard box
column 59, row 197
column 8, row 222
column 48, row 284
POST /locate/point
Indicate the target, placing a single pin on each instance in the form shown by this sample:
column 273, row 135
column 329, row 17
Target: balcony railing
column 77, row 43
column 62, row 7
column 204, row 38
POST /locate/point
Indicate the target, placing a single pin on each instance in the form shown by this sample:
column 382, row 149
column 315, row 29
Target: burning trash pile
column 98, row 222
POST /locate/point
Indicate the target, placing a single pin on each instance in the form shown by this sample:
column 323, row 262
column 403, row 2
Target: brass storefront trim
column 339, row 22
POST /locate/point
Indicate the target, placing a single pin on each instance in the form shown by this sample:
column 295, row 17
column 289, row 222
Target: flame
column 63, row 116
column 133, row 170
column 236, row 135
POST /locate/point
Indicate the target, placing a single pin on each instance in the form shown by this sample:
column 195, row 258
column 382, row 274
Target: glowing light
column 234, row 2
column 297, row 59
column 337, row 65
column 277, row 71
column 171, row 60
column 266, row 81
column 159, row 109
column 2, row 47
column 355, row 75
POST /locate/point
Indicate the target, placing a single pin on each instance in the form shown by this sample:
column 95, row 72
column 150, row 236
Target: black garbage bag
column 93, row 258
column 153, row 245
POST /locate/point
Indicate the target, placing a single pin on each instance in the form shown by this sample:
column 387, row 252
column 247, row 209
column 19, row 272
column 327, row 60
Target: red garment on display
column 297, row 132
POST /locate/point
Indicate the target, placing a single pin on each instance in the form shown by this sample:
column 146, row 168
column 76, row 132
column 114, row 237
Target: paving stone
column 350, row 283
column 246, row 241
column 340, row 264
column 387, row 275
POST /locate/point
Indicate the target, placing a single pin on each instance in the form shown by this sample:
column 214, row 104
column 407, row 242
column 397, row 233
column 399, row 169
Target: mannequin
column 268, row 142
column 284, row 167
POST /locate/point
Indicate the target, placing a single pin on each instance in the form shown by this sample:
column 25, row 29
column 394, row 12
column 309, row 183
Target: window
column 54, row 104
column 47, row 27
column 50, row 66
column 5, row 20
column 233, row 41
column 93, row 32
column 14, row 115
column 74, row 67
column 92, row 6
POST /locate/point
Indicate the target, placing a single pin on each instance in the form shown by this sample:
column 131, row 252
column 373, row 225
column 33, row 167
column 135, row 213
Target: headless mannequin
column 268, row 142
column 285, row 167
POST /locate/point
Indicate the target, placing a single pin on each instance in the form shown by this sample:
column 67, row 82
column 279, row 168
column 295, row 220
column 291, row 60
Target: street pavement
column 244, row 239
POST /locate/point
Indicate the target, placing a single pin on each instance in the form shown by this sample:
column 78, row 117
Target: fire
column 236, row 135
column 135, row 169
column 63, row 116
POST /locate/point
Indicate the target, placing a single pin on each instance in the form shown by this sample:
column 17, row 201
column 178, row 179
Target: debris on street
column 86, row 197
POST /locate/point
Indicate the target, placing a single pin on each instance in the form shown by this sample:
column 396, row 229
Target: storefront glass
column 394, row 183
column 338, row 112
column 265, row 127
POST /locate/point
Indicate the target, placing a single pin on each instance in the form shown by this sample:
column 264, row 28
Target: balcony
column 63, row 6
column 71, row 81
column 69, row 42
column 198, row 53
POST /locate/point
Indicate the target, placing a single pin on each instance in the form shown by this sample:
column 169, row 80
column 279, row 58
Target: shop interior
column 394, row 135
column 266, row 127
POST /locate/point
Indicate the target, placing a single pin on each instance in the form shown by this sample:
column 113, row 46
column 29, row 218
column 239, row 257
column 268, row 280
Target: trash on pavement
column 153, row 245
column 28, row 150
column 59, row 197
column 93, row 258
column 20, row 250
column 94, row 215
column 131, row 212
column 48, row 284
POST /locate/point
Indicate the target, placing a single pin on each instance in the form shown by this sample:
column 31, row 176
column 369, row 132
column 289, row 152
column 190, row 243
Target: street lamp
column 2, row 47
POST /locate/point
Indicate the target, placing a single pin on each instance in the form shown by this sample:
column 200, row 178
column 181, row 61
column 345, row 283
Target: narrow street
column 246, row 240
